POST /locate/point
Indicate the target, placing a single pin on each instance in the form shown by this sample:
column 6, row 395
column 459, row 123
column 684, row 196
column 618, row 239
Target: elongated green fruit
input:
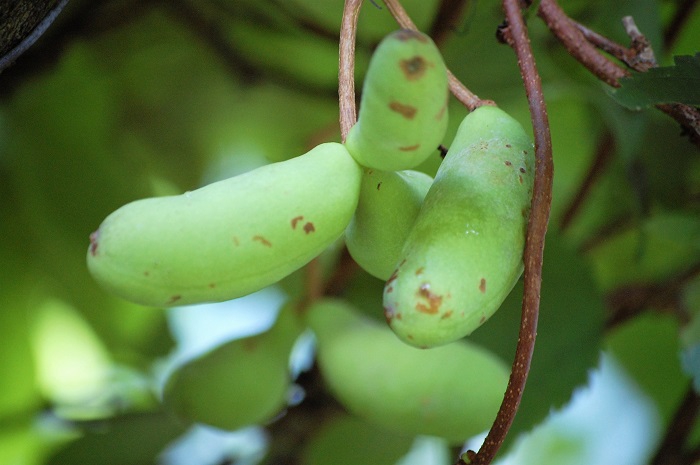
column 229, row 238
column 240, row 383
column 452, row 391
column 389, row 204
column 403, row 111
column 465, row 251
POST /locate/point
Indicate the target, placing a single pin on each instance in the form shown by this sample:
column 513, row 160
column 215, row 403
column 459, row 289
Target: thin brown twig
column 446, row 20
column 517, row 37
column 603, row 154
column 346, row 67
column 672, row 448
column 675, row 26
column 459, row 90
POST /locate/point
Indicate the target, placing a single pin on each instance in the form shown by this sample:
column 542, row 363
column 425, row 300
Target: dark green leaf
column 668, row 84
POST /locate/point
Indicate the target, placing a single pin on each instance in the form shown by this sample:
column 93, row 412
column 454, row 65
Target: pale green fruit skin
column 229, row 238
column 403, row 110
column 388, row 207
column 240, row 383
column 452, row 391
column 464, row 253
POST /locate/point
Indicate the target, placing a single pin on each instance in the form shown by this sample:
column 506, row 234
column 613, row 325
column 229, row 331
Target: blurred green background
column 122, row 100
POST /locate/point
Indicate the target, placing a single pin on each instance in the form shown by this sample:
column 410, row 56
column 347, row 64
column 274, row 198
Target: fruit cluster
column 449, row 249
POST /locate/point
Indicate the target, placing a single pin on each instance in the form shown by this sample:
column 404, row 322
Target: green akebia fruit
column 453, row 391
column 465, row 251
column 403, row 110
column 229, row 238
column 389, row 204
column 242, row 382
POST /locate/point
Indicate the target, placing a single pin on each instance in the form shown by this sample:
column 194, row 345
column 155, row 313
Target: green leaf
column 568, row 335
column 667, row 84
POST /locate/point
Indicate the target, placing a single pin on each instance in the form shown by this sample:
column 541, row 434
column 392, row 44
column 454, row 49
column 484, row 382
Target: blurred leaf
column 648, row 349
column 131, row 439
column 348, row 440
column 568, row 335
column 690, row 361
column 667, row 84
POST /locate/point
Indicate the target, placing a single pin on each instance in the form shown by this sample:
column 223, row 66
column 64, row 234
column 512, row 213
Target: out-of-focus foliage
column 127, row 99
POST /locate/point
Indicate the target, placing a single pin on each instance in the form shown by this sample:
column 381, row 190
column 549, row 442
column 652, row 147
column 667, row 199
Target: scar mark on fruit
column 212, row 285
column 414, row 68
column 263, row 241
column 522, row 170
column 407, row 111
column 93, row 242
column 446, row 315
column 393, row 276
column 309, row 227
column 419, row 271
column 399, row 316
column 173, row 299
column 390, row 289
column 442, row 112
column 409, row 148
column 147, row 273
column 482, row 285
column 388, row 313
column 520, row 178
column 405, row 34
column 295, row 220
column 508, row 163
column 433, row 301
column 482, row 319
column 508, row 146
column 379, row 186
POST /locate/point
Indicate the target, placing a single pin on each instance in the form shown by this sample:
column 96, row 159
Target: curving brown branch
column 639, row 56
column 447, row 19
column 346, row 67
column 516, row 36
column 459, row 90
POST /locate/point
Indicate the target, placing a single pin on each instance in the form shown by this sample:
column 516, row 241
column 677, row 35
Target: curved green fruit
column 452, row 391
column 229, row 238
column 240, row 383
column 403, row 111
column 389, row 204
column 464, row 253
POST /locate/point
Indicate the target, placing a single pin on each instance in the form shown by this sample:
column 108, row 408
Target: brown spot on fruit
column 482, row 319
column 407, row 111
column 482, row 285
column 520, row 178
column 442, row 112
column 212, row 285
column 236, row 241
column 147, row 273
column 409, row 148
column 432, row 302
column 419, row 271
column 522, row 170
column 409, row 336
column 379, row 186
column 406, row 34
column 390, row 289
column 508, row 146
column 399, row 316
column 388, row 314
column 173, row 299
column 309, row 227
column 414, row 68
column 295, row 220
column 393, row 276
column 93, row 242
column 446, row 315
column 263, row 241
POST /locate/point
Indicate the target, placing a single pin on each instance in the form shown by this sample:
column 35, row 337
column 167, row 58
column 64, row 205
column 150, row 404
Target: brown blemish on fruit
column 433, row 301
column 393, row 276
column 93, row 242
column 295, row 220
column 508, row 163
column 525, row 152
column 212, row 285
column 482, row 285
column 173, row 299
column 442, row 112
column 309, row 227
column 406, row 34
column 407, row 111
column 522, row 170
column 388, row 314
column 235, row 241
column 482, row 319
column 520, row 178
column 379, row 186
column 446, row 315
column 399, row 316
column 409, row 336
column 414, row 68
column 263, row 241
column 409, row 148
column 419, row 271
column 508, row 146
column 249, row 344
column 147, row 273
